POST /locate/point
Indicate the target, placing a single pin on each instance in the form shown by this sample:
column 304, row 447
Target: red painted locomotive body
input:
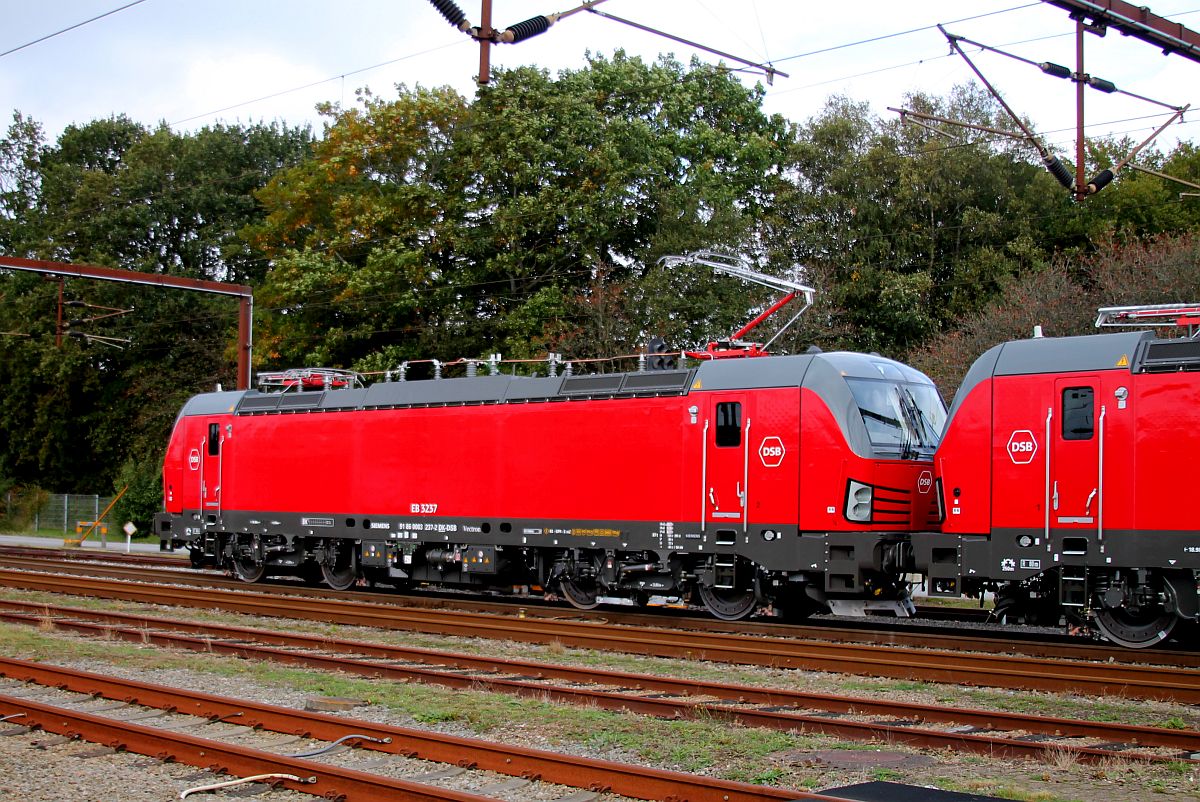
column 1060, row 475
column 784, row 480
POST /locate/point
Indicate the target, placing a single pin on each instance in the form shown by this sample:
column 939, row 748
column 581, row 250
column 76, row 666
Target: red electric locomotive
column 789, row 481
column 1059, row 473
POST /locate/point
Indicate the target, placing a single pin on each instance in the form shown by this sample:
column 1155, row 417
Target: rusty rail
column 776, row 709
column 330, row 781
column 875, row 632
column 887, row 661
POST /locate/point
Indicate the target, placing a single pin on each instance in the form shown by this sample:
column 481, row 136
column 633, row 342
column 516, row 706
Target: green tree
column 113, row 192
column 520, row 223
column 913, row 227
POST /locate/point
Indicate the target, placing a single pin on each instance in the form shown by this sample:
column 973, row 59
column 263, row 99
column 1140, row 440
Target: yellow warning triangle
column 1123, row 362
column 696, row 385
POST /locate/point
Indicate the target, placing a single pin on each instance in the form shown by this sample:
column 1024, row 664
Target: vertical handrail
column 1049, row 417
column 746, row 479
column 704, row 476
column 203, row 465
column 1100, row 479
column 220, row 473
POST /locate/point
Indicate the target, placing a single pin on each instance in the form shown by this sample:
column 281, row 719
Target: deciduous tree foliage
column 427, row 226
column 115, row 193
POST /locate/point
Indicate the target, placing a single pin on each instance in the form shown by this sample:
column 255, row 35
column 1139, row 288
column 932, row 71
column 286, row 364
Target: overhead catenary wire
column 767, row 69
column 70, row 28
column 1059, row 71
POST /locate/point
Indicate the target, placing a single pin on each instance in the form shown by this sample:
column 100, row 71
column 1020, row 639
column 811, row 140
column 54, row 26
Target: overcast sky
column 197, row 62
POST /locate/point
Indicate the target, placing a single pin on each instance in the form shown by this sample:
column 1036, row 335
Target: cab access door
column 211, row 469
column 726, row 466
column 1075, row 481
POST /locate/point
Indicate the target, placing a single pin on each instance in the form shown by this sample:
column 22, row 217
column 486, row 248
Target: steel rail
column 575, row 771
column 85, row 556
column 784, row 709
column 319, row 779
column 923, row 638
column 890, row 661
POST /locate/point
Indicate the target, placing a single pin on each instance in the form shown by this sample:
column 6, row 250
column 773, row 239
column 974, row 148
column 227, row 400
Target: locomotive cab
column 1055, row 473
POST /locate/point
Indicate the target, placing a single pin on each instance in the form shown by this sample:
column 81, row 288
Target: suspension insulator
column 1101, row 85
column 1057, row 70
column 524, row 30
column 1099, row 181
column 1059, row 171
column 453, row 14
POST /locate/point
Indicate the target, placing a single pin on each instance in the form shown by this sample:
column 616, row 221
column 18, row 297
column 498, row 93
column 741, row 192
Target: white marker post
column 130, row 531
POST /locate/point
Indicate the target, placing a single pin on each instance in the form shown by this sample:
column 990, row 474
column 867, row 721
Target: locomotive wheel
column 582, row 595
column 343, row 572
column 1135, row 629
column 247, row 570
column 727, row 604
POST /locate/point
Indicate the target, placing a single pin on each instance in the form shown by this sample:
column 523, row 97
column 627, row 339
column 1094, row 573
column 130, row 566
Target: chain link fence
column 70, row 513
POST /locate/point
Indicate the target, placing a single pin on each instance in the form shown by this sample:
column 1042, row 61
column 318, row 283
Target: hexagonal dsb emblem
column 771, row 452
column 1022, row 447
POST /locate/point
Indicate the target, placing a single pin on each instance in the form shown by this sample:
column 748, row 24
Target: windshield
column 903, row 418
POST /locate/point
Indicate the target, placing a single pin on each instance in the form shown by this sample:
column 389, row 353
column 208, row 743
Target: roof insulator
column 1057, row 70
column 1059, row 171
column 1101, row 84
column 525, row 30
column 453, row 14
column 1099, row 181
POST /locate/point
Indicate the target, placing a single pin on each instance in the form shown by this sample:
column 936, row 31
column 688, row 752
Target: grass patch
column 684, row 745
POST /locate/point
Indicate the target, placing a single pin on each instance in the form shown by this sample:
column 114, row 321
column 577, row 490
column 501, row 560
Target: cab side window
column 729, row 424
column 1078, row 413
column 214, row 439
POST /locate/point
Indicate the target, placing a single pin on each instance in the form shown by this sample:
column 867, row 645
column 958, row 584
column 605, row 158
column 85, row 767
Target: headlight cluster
column 858, row 502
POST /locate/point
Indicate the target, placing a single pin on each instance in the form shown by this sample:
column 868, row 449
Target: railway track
column 983, row 732
column 227, row 735
column 155, row 568
column 973, row 668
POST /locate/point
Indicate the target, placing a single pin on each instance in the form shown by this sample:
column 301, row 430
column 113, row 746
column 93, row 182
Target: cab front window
column 904, row 419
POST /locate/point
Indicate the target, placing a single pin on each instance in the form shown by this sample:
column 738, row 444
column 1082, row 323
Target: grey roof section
column 1069, row 354
column 532, row 389
column 873, row 366
column 730, row 374
column 789, row 371
column 475, row 390
column 212, row 403
column 440, row 392
column 740, row 374
column 344, row 399
column 1037, row 355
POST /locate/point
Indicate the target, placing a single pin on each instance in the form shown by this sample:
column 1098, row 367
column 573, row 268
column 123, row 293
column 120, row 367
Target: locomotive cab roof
column 1131, row 351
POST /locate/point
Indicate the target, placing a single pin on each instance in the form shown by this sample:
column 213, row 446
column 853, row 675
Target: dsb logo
column 771, row 452
column 1022, row 447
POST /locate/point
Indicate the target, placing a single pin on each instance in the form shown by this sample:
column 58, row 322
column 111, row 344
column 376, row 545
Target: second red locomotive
column 1062, row 472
